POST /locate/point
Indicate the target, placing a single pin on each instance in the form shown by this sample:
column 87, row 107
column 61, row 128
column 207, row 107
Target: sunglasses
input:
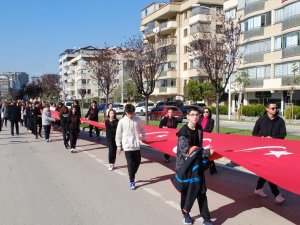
column 274, row 108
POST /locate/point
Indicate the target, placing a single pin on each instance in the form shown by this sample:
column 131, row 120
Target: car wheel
column 142, row 113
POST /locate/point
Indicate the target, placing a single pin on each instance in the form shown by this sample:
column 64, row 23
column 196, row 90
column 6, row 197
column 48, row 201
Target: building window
column 185, row 15
column 231, row 14
column 258, row 21
column 185, row 32
column 257, row 47
column 185, row 49
column 200, row 27
column 288, row 11
column 259, row 72
column 287, row 40
column 185, row 66
column 285, row 69
column 173, row 82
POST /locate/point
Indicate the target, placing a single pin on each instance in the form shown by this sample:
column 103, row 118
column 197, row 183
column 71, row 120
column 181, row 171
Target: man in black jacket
column 270, row 125
column 168, row 121
column 92, row 114
column 14, row 116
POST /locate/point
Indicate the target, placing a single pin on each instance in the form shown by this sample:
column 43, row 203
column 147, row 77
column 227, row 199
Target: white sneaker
column 279, row 199
column 110, row 167
column 260, row 192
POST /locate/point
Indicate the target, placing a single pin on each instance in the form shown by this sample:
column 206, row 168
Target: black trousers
column 37, row 131
column 96, row 129
column 112, row 150
column 260, row 184
column 12, row 125
column 202, row 203
column 66, row 135
column 133, row 159
column 73, row 138
column 47, row 129
column 28, row 123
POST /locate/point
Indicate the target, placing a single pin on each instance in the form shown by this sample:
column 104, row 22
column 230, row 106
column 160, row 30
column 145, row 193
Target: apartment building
column 180, row 21
column 271, row 48
column 75, row 77
column 4, row 86
column 17, row 80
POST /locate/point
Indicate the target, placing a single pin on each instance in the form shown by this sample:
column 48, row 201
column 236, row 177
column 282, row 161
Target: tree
column 217, row 53
column 192, row 90
column 241, row 81
column 50, row 85
column 104, row 67
column 147, row 58
column 207, row 92
column 33, row 90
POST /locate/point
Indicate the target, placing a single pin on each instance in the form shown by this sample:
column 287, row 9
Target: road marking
column 92, row 155
column 100, row 161
column 173, row 204
column 153, row 192
column 120, row 172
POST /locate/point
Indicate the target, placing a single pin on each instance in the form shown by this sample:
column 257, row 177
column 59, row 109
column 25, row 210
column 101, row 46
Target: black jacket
column 164, row 122
column 190, row 179
column 92, row 114
column 14, row 113
column 185, row 142
column 209, row 125
column 275, row 128
column 111, row 128
column 74, row 122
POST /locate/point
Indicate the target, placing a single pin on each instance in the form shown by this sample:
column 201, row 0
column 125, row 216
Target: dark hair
column 94, row 102
column 193, row 108
column 76, row 102
column 115, row 117
column 169, row 108
column 269, row 103
column 205, row 108
column 129, row 108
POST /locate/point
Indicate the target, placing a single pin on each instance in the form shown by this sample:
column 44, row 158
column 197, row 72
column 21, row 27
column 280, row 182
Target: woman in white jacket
column 129, row 135
column 46, row 121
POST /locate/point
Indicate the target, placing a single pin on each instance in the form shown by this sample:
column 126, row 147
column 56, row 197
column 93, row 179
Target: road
column 44, row 184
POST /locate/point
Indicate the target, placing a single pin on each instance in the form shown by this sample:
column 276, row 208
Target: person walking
column 190, row 135
column 28, row 113
column 168, row 121
column 270, row 125
column 111, row 124
column 105, row 112
column 77, row 106
column 63, row 115
column 46, row 121
column 37, row 119
column 4, row 113
column 92, row 114
column 207, row 124
column 129, row 135
column 14, row 116
column 74, row 127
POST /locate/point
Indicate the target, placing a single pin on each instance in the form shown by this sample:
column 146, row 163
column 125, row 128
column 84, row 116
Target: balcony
column 167, row 27
column 255, row 6
column 255, row 57
column 291, row 22
column 291, row 51
column 199, row 17
column 288, row 81
column 254, row 33
column 163, row 89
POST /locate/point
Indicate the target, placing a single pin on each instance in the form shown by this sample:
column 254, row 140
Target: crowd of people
column 127, row 134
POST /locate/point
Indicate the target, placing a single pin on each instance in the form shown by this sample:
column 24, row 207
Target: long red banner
column 276, row 160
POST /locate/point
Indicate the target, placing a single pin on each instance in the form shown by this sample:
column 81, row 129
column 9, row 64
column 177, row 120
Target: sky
column 34, row 32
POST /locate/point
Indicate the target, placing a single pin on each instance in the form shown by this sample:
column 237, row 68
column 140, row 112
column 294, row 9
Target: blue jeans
column 47, row 129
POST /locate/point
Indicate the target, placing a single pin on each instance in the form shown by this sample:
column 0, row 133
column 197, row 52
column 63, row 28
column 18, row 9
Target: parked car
column 177, row 103
column 119, row 108
column 202, row 105
column 102, row 107
column 140, row 108
column 160, row 112
column 185, row 108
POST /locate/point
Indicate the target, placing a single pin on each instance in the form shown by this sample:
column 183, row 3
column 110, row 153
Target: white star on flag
column 278, row 153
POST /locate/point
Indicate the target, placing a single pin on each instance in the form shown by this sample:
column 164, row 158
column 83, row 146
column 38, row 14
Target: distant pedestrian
column 129, row 135
column 4, row 112
column 74, row 126
column 111, row 124
column 46, row 121
column 270, row 125
column 37, row 119
column 92, row 114
column 105, row 114
column 77, row 106
column 168, row 121
column 14, row 116
column 64, row 115
column 207, row 124
column 28, row 114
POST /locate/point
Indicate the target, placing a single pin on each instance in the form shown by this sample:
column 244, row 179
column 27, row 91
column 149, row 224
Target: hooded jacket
column 46, row 117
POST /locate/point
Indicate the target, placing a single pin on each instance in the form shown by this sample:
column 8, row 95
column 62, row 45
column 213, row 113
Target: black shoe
column 36, row 138
column 67, row 147
column 40, row 135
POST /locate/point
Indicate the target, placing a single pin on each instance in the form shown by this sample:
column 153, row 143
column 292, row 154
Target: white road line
column 120, row 172
column 92, row 155
column 173, row 204
column 153, row 192
column 100, row 161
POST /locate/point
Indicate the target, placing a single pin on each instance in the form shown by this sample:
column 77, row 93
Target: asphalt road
column 44, row 184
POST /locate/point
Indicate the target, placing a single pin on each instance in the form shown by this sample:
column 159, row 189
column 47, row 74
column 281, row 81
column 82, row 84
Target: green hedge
column 287, row 112
column 223, row 110
column 253, row 110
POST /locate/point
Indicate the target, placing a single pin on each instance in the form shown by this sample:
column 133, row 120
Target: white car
column 119, row 108
column 68, row 103
column 140, row 108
